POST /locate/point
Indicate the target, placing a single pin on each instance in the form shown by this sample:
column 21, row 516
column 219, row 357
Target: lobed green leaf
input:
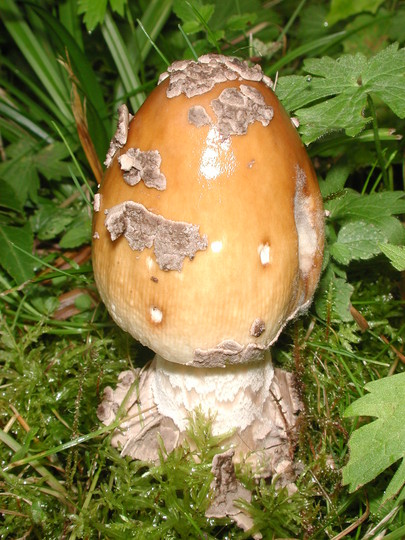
column 13, row 242
column 342, row 9
column 396, row 255
column 379, row 444
column 347, row 81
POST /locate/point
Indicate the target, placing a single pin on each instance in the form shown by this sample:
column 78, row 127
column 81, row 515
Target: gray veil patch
column 198, row 116
column 193, row 78
column 226, row 353
column 237, row 108
column 120, row 136
column 173, row 241
column 137, row 165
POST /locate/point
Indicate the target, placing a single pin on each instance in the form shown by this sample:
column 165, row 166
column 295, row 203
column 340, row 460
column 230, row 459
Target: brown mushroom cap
column 214, row 240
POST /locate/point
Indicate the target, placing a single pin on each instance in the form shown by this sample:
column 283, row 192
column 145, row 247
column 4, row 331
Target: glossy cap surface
column 208, row 226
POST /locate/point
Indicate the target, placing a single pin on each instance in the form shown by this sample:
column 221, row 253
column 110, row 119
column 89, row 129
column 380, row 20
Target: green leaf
column 94, row 12
column 50, row 220
column 19, row 171
column 312, row 22
column 45, row 305
column 9, row 198
column 83, row 302
column 49, row 161
column 372, row 37
column 27, row 158
column 187, row 12
column 118, row 6
column 78, row 234
column 333, row 294
column 352, row 205
column 357, row 240
column 342, row 9
column 241, row 22
column 335, row 180
column 396, row 255
column 384, row 75
column 381, row 443
column 346, row 82
column 19, row 265
column 396, row 30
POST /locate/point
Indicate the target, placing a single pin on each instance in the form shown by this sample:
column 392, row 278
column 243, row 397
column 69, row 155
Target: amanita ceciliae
column 208, row 239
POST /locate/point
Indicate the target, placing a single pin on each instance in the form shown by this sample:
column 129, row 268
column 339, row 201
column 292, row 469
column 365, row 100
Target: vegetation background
column 65, row 67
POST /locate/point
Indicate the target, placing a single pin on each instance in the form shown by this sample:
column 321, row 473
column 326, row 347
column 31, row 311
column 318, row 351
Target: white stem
column 234, row 395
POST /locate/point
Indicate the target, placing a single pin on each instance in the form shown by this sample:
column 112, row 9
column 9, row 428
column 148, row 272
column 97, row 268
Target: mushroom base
column 260, row 414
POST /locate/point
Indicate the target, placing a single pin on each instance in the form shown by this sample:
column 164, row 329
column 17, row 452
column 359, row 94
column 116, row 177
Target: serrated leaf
column 19, row 265
column 49, row 161
column 346, row 82
column 27, row 158
column 118, row 6
column 381, row 443
column 241, row 22
column 335, row 180
column 391, row 227
column 21, row 174
column 50, row 220
column 45, row 305
column 343, row 112
column 353, row 205
column 342, row 9
column 328, row 77
column 93, row 11
column 188, row 12
column 78, row 234
column 333, row 293
column 357, row 240
column 396, row 255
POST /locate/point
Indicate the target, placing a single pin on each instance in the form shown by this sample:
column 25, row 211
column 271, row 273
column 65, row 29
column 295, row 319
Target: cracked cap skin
column 241, row 211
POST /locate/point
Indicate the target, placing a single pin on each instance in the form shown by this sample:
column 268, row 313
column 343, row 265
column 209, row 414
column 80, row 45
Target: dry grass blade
column 79, row 113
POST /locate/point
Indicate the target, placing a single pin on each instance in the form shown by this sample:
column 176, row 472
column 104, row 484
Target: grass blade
column 97, row 111
column 15, row 115
column 43, row 64
column 153, row 44
column 42, row 471
column 153, row 20
column 122, row 60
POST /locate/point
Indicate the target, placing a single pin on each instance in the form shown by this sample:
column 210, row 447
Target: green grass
column 59, row 476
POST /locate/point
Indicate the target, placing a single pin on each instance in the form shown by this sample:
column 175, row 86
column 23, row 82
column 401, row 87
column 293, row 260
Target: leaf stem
column 377, row 141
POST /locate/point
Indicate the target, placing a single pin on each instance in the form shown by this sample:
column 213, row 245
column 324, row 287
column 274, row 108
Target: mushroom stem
column 233, row 396
column 257, row 403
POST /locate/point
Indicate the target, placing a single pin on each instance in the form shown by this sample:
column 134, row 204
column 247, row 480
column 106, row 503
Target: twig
column 394, row 349
column 379, row 525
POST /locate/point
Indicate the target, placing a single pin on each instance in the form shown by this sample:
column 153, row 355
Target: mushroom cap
column 208, row 225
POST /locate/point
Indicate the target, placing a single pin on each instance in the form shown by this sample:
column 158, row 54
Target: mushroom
column 208, row 239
